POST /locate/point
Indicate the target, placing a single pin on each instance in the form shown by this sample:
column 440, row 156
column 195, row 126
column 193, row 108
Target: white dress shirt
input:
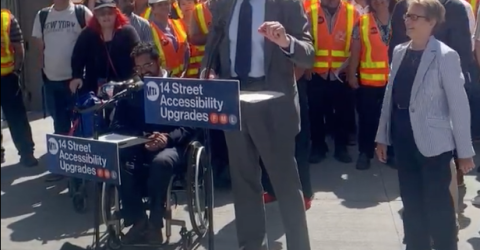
column 258, row 41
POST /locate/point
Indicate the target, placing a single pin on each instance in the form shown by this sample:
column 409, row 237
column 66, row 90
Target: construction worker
column 332, row 22
column 13, row 53
column 142, row 9
column 369, row 57
column 190, row 10
column 170, row 38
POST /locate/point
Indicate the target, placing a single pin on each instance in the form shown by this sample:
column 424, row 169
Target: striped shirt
column 16, row 35
column 142, row 27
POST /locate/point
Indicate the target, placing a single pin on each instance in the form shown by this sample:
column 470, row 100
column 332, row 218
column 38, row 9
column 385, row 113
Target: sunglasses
column 413, row 17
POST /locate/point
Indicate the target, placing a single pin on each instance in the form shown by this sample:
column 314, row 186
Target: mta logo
column 152, row 91
column 52, row 146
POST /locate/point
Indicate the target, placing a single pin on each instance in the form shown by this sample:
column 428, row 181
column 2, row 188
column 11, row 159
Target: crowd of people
column 387, row 75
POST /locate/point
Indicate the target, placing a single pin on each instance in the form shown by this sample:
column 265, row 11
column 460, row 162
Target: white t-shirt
column 60, row 35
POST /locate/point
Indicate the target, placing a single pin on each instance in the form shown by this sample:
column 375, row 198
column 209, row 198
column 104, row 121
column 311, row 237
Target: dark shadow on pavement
column 475, row 242
column 47, row 212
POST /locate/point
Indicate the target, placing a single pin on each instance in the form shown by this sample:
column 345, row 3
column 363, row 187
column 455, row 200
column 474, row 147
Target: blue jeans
column 59, row 101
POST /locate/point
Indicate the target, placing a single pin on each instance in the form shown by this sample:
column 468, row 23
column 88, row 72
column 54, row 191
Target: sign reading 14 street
column 211, row 104
column 83, row 158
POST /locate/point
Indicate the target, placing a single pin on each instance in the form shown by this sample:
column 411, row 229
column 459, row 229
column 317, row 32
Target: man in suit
column 263, row 40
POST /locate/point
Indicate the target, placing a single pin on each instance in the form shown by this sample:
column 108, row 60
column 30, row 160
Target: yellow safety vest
column 6, row 49
column 474, row 4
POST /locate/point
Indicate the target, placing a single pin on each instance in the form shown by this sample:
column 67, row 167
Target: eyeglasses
column 413, row 17
column 139, row 68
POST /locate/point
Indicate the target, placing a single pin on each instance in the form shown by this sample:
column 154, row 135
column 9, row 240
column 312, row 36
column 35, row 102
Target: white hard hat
column 156, row 1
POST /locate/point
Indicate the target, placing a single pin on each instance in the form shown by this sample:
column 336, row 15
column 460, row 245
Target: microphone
column 112, row 88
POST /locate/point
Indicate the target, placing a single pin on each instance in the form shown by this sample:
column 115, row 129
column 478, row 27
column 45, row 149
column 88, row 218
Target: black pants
column 369, row 106
column 151, row 182
column 16, row 115
column 428, row 206
column 325, row 96
column 302, row 147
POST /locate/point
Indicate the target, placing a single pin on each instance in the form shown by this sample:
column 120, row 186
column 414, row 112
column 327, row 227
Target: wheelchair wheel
column 197, row 195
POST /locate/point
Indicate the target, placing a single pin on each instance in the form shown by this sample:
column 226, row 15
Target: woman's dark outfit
column 428, row 206
column 90, row 59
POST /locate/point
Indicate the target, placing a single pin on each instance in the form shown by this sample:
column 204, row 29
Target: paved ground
column 352, row 210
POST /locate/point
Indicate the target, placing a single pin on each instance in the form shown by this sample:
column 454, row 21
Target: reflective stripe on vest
column 196, row 56
column 203, row 17
column 7, row 52
column 171, row 59
column 374, row 67
column 146, row 14
column 177, row 9
column 331, row 48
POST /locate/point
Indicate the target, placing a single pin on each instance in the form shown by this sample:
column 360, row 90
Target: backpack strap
column 80, row 14
column 42, row 16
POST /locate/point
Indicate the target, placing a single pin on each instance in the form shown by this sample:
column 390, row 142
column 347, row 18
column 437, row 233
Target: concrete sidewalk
column 352, row 210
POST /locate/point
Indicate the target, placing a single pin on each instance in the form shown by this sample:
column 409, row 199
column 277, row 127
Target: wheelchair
column 195, row 179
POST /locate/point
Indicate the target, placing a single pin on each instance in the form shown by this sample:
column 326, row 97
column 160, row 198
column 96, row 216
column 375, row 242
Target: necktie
column 244, row 40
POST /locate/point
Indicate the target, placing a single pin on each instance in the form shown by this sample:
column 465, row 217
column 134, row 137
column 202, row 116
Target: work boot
column 363, row 162
column 317, row 157
column 342, row 156
column 28, row 160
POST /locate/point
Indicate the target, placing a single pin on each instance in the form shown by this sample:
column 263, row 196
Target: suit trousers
column 16, row 115
column 265, row 135
column 151, row 182
column 369, row 105
column 302, row 147
column 329, row 98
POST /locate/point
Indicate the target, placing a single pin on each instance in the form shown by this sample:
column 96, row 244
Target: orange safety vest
column 7, row 52
column 146, row 13
column 203, row 18
column 171, row 59
column 374, row 67
column 331, row 49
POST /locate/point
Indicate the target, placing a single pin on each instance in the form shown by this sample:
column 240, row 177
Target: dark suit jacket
column 455, row 32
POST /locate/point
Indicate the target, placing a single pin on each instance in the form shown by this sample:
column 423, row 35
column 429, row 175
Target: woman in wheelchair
column 162, row 154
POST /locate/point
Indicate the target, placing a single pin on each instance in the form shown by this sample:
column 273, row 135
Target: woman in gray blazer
column 426, row 116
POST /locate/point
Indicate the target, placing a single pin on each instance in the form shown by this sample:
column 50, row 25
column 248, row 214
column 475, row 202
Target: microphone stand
column 208, row 68
column 97, row 110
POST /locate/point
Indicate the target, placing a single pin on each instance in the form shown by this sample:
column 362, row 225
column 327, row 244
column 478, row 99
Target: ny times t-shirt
column 59, row 35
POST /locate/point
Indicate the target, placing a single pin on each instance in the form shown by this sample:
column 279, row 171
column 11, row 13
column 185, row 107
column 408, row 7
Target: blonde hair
column 434, row 10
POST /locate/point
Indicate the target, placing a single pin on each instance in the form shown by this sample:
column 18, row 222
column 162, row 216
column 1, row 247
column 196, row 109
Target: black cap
column 104, row 3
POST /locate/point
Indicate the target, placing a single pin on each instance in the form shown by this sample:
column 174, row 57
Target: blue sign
column 83, row 158
column 210, row 104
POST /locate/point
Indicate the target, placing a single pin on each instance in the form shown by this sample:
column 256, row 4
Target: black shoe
column 28, row 161
column 317, row 157
column 363, row 162
column 343, row 156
